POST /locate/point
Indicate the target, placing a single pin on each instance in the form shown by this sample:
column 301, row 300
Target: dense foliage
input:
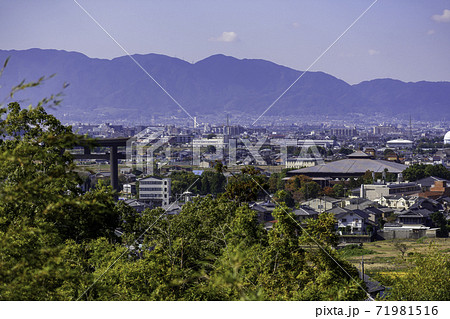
column 41, row 206
column 425, row 279
column 419, row 171
column 59, row 244
column 216, row 250
column 210, row 182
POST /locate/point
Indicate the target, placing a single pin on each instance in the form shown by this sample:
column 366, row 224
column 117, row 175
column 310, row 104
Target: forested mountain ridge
column 119, row 89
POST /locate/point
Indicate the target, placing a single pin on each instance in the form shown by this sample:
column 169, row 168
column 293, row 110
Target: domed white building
column 400, row 144
column 447, row 138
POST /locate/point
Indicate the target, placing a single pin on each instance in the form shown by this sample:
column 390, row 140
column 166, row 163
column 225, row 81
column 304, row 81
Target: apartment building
column 155, row 191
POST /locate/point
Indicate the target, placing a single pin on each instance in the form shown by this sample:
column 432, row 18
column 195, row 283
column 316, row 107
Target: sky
column 407, row 40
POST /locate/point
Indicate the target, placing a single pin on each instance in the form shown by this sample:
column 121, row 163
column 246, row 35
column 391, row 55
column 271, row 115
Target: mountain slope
column 423, row 100
column 118, row 88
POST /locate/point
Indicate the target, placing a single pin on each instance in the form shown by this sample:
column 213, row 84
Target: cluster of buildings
column 380, row 210
column 360, row 219
column 294, row 146
column 329, row 155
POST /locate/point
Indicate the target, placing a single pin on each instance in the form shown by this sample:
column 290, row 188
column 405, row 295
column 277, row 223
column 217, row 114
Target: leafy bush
column 355, row 250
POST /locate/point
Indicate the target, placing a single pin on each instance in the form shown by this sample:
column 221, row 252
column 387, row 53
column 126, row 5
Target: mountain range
column 120, row 89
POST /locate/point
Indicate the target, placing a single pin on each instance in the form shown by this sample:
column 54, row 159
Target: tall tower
column 227, row 130
column 410, row 128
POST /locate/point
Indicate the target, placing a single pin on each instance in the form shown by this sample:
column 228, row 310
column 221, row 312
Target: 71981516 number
column 407, row 310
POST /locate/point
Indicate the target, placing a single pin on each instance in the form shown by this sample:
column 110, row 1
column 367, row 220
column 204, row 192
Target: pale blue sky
column 403, row 39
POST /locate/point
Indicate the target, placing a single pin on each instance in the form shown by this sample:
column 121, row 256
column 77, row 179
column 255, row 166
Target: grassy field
column 385, row 257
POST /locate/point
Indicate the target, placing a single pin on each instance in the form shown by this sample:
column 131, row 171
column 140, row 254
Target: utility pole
column 362, row 267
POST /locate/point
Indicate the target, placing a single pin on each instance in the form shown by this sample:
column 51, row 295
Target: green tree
column 419, row 171
column 35, row 165
column 213, row 182
column 426, row 278
column 59, row 244
column 247, row 186
column 338, row 190
column 440, row 221
column 206, row 188
column 321, row 230
column 215, row 249
column 310, row 190
column 182, row 180
column 41, row 205
column 401, row 247
column 295, row 182
column 285, row 197
column 273, row 182
column 367, row 178
column 438, row 171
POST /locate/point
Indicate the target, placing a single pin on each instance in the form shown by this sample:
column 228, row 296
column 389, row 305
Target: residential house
column 416, row 216
column 137, row 205
column 386, row 212
column 357, row 203
column 353, row 221
column 430, row 204
column 337, row 210
column 264, row 211
column 445, row 202
column 406, row 231
column 397, row 202
column 374, row 288
column 375, row 214
column 304, row 212
column 125, row 170
column 439, row 189
column 173, row 208
column 413, row 223
column 428, row 182
column 322, row 204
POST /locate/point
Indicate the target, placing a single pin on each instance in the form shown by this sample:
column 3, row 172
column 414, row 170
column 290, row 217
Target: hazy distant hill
column 426, row 100
column 118, row 88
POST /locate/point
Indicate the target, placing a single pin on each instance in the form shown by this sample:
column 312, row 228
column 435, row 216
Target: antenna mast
column 410, row 128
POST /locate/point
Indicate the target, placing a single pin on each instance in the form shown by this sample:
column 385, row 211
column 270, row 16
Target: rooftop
column 400, row 141
column 353, row 166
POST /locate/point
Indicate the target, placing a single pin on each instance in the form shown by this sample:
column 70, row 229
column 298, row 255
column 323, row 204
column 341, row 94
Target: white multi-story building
column 155, row 191
column 129, row 189
column 218, row 142
column 301, row 162
column 376, row 191
column 312, row 143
